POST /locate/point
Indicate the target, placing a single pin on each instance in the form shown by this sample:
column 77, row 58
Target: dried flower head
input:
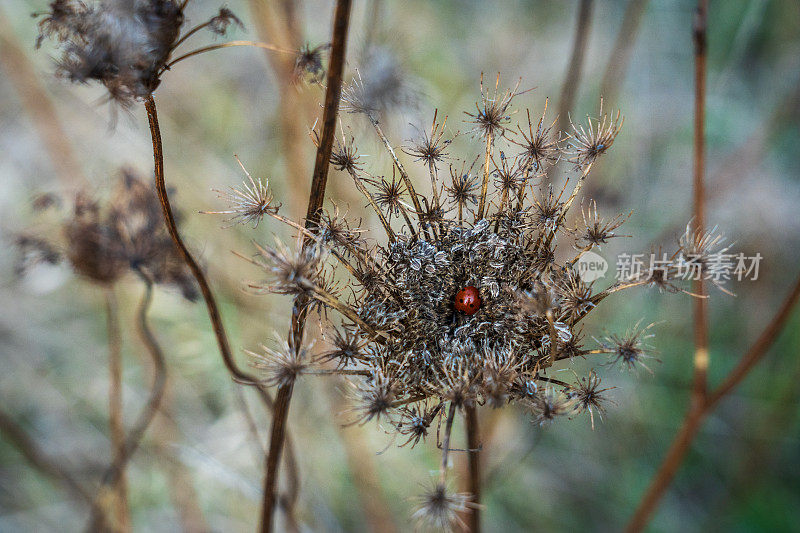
column 458, row 308
column 540, row 147
column 280, row 367
column 247, row 203
column 630, row 349
column 430, row 147
column 440, row 509
column 104, row 241
column 123, row 44
column 587, row 143
column 588, row 396
column 597, row 231
column 493, row 112
column 309, row 63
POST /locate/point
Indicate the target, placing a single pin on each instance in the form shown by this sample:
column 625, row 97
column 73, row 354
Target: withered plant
column 461, row 302
column 103, row 242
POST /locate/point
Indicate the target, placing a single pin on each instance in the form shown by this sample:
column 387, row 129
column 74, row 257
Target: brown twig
column 169, row 219
column 473, row 517
column 341, row 19
column 691, row 424
column 116, row 424
column 116, row 471
column 701, row 355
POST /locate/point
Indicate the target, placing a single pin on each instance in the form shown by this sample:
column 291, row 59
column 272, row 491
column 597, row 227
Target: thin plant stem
column 701, row 355
column 116, row 423
column 485, row 183
column 209, row 48
column 169, row 219
column 695, row 417
column 448, row 429
column 116, row 471
column 33, row 454
column 341, row 19
column 401, row 169
column 473, row 518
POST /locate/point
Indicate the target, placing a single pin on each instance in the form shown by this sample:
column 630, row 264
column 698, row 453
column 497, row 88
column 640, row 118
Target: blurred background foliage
column 743, row 473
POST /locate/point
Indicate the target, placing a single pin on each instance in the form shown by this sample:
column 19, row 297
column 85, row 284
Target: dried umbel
column 102, row 242
column 124, row 44
column 463, row 303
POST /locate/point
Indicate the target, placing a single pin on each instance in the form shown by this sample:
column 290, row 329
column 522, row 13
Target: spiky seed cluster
column 400, row 329
column 309, row 63
column 440, row 509
column 104, row 241
column 123, row 44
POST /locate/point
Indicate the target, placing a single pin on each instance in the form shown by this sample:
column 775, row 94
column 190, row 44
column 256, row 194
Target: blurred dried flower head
column 102, row 242
column 411, row 351
column 123, row 44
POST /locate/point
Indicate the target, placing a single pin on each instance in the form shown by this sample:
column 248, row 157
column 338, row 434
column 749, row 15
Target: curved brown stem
column 169, row 219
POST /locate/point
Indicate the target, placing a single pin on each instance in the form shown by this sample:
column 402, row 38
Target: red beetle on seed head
column 468, row 300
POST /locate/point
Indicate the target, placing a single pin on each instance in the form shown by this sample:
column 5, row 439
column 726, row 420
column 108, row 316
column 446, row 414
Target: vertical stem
column 448, row 429
column 485, row 184
column 116, row 471
column 701, row 355
column 473, row 519
column 277, row 437
column 341, row 19
column 116, row 424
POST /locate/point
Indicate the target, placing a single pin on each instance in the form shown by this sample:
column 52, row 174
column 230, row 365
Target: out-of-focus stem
column 694, row 418
column 365, row 476
column 116, row 471
column 569, row 89
column 623, row 47
column 30, row 450
column 276, row 21
column 116, row 424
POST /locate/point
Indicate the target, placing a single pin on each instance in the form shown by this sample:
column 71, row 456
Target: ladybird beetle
column 468, row 300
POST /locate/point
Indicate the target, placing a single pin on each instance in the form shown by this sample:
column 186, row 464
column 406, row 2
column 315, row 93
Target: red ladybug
column 468, row 300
